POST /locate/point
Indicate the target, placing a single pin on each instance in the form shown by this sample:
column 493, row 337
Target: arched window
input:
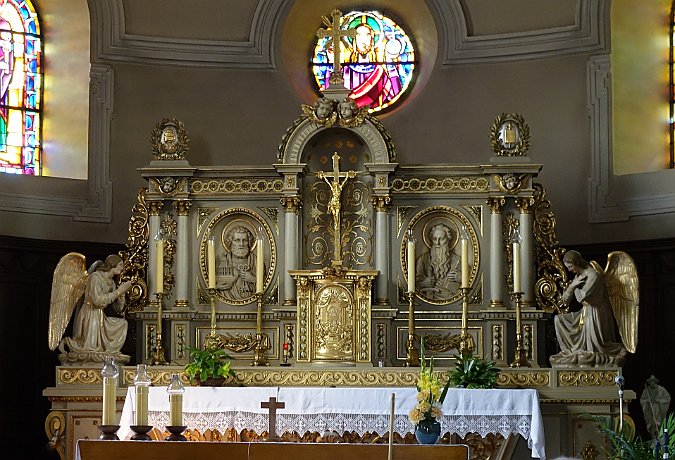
column 378, row 59
column 20, row 88
column 671, row 87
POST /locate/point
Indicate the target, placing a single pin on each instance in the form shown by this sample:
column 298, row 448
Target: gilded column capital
column 182, row 207
column 382, row 203
column 525, row 204
column 496, row 204
column 155, row 207
column 291, row 203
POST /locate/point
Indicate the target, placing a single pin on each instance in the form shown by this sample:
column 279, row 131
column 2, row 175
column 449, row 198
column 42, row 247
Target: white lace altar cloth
column 345, row 409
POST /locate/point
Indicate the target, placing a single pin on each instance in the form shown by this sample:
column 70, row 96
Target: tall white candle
column 109, row 397
column 176, row 409
column 159, row 264
column 411, row 265
column 465, row 262
column 142, row 404
column 259, row 267
column 516, row 267
column 211, row 260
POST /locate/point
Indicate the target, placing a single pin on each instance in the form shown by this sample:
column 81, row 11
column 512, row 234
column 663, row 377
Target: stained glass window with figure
column 20, row 88
column 378, row 61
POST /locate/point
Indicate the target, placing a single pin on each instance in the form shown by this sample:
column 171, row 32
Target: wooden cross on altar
column 272, row 405
column 335, row 34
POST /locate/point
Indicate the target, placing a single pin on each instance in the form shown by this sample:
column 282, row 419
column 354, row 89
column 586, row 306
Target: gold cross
column 335, row 34
column 272, row 405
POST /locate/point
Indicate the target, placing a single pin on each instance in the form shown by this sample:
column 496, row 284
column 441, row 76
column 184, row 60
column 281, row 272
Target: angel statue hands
column 609, row 298
column 86, row 293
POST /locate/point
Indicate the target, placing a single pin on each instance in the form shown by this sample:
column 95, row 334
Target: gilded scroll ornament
column 551, row 273
column 510, row 135
column 169, row 140
column 586, row 378
column 55, row 428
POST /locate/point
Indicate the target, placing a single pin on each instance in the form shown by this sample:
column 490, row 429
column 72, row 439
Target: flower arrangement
column 430, row 392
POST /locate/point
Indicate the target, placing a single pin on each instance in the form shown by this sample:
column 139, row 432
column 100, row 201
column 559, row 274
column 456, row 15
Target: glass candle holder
column 175, row 390
column 142, row 384
column 109, row 373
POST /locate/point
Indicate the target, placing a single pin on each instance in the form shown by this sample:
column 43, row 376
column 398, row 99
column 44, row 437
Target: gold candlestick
column 520, row 358
column 412, row 358
column 211, row 340
column 466, row 345
column 158, row 358
column 260, row 353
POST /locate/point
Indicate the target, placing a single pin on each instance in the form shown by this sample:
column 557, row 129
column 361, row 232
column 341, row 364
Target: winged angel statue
column 609, row 298
column 87, row 293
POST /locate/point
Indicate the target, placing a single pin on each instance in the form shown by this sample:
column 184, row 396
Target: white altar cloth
column 345, row 409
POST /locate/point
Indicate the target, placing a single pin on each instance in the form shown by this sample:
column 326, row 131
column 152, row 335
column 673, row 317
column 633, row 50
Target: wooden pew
column 163, row 450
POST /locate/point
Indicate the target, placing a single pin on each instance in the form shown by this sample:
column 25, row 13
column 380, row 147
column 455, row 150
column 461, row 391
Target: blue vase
column 428, row 431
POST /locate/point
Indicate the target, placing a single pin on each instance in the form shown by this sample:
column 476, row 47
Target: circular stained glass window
column 377, row 57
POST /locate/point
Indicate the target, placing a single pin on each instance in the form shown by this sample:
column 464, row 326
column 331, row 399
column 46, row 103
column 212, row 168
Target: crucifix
column 339, row 179
column 272, row 405
column 335, row 34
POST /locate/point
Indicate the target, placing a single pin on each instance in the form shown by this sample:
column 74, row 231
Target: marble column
column 526, row 249
column 183, row 209
column 154, row 222
column 292, row 206
column 382, row 206
column 496, row 251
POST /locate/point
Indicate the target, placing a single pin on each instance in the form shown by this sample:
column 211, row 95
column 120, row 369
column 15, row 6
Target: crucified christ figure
column 336, row 184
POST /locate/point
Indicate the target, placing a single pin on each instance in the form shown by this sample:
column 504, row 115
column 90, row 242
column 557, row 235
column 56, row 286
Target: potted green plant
column 473, row 372
column 210, row 366
column 624, row 444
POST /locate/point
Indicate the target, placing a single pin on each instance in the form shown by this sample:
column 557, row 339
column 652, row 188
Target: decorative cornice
column 589, row 33
column 111, row 41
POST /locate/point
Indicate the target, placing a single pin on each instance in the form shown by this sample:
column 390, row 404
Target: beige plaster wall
column 238, row 116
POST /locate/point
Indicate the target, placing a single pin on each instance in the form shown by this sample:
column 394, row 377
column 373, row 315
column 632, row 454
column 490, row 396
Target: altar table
column 160, row 450
column 511, row 411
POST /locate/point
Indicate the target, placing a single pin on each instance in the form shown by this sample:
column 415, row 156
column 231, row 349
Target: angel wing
column 624, row 294
column 68, row 284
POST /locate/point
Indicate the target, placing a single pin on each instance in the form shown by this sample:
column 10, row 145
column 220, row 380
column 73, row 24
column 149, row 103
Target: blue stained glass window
column 20, row 88
column 378, row 61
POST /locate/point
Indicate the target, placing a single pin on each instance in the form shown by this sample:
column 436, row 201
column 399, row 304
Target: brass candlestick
column 520, row 358
column 211, row 340
column 466, row 345
column 260, row 353
column 158, row 358
column 412, row 358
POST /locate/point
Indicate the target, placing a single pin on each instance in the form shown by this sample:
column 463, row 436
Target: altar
column 340, row 410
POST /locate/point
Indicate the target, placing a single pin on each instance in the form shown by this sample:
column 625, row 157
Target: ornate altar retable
column 308, row 263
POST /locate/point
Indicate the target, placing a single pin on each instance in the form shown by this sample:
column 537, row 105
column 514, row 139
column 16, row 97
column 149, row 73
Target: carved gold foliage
column 551, row 273
column 586, row 378
column 482, row 448
column 522, row 135
column 438, row 343
column 445, row 184
column 169, row 140
column 523, row 379
column 136, row 255
column 235, row 186
column 237, row 343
